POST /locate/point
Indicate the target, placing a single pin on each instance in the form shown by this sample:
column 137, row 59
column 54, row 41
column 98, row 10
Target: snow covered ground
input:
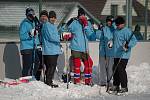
column 139, row 89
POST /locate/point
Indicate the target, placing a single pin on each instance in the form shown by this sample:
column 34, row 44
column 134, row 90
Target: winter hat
column 81, row 12
column 44, row 12
column 119, row 20
column 52, row 14
column 29, row 12
column 109, row 18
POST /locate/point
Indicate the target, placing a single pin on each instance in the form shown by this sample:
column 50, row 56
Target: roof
column 13, row 12
column 95, row 7
column 140, row 10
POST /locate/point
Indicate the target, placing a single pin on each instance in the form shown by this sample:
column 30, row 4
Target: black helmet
column 52, row 14
column 109, row 18
column 44, row 12
column 81, row 12
column 30, row 12
column 137, row 27
column 119, row 20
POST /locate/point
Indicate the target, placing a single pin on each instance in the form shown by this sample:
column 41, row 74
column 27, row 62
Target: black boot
column 38, row 75
column 54, row 85
column 49, row 76
column 64, row 78
column 114, row 88
column 123, row 90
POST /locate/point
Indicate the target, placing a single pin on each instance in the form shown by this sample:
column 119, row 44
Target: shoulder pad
column 71, row 20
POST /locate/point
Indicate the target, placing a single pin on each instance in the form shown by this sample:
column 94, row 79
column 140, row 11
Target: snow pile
column 36, row 90
column 139, row 78
column 139, row 82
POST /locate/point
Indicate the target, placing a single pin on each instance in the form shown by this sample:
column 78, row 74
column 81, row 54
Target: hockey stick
column 66, row 63
column 57, row 72
column 105, row 57
column 33, row 54
column 38, row 28
column 37, row 23
column 106, row 60
column 66, row 70
column 113, row 74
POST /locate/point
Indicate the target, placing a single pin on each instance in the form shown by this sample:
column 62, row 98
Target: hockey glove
column 110, row 44
column 67, row 35
column 125, row 46
column 38, row 27
column 95, row 27
column 84, row 21
column 33, row 32
column 100, row 26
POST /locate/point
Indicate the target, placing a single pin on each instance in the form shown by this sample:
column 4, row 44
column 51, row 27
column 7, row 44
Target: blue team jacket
column 51, row 39
column 120, row 36
column 79, row 41
column 26, row 41
column 92, row 37
column 105, row 35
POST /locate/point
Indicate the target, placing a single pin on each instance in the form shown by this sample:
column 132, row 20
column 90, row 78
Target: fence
column 12, row 12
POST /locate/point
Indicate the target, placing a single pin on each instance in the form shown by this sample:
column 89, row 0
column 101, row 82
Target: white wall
column 10, row 58
column 120, row 3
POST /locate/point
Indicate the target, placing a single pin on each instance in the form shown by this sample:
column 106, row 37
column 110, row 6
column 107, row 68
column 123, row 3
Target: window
column 114, row 10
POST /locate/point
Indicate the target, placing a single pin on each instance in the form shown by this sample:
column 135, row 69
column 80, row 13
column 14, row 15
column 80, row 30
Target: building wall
column 121, row 7
column 10, row 58
column 12, row 13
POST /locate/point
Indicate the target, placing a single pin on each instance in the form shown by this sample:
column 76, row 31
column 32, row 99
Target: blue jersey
column 27, row 41
column 79, row 42
column 92, row 37
column 105, row 35
column 120, row 36
column 51, row 39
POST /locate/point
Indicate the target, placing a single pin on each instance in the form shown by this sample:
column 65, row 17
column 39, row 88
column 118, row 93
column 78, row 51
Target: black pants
column 51, row 62
column 29, row 57
column 39, row 71
column 120, row 76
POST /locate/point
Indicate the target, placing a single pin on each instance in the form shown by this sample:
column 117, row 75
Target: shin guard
column 77, row 64
column 88, row 71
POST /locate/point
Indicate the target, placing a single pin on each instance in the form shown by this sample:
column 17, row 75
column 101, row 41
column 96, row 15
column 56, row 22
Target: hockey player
column 105, row 35
column 51, row 47
column 137, row 32
column 124, row 40
column 80, row 30
column 92, row 25
column 29, row 39
column 43, row 18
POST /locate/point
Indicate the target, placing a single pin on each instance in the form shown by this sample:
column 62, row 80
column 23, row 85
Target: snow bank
column 139, row 78
column 139, row 82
